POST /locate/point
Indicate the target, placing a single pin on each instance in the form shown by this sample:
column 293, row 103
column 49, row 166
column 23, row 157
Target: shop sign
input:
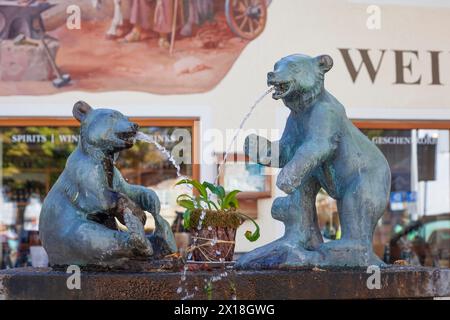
column 39, row 139
column 405, row 62
column 399, row 140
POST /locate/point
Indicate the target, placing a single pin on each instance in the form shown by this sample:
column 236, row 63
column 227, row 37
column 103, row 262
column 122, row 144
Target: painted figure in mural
column 131, row 21
column 320, row 148
column 140, row 19
column 78, row 218
column 195, row 12
column 198, row 11
column 163, row 21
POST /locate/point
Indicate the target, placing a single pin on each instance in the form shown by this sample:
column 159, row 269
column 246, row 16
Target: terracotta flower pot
column 216, row 238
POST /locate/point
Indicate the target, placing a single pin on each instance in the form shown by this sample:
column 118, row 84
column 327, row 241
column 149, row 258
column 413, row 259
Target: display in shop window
column 252, row 179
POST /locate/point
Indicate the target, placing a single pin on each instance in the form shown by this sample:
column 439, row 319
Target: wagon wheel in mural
column 246, row 18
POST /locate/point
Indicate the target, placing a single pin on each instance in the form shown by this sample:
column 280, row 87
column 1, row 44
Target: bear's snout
column 126, row 131
column 134, row 127
column 131, row 128
column 276, row 77
column 271, row 78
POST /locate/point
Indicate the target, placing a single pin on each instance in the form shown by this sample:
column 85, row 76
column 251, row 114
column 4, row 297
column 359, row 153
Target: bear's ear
column 325, row 62
column 80, row 110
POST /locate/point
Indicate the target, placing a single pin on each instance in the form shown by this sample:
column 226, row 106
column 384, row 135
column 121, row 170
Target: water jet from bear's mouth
column 140, row 136
column 281, row 89
column 244, row 120
column 128, row 137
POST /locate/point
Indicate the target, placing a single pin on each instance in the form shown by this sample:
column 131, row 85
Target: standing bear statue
column 320, row 148
column 78, row 217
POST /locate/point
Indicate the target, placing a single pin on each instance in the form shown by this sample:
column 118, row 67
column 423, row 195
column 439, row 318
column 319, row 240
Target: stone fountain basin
column 397, row 282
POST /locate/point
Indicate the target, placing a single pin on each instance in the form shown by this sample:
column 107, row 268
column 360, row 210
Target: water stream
column 140, row 136
column 182, row 289
column 238, row 130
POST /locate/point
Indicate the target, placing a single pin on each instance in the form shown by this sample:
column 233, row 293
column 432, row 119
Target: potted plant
column 212, row 216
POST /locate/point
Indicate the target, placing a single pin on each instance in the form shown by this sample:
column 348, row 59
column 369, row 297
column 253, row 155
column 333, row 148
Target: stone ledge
column 396, row 283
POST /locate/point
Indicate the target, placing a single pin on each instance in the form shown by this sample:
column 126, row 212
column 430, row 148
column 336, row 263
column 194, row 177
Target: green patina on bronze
column 77, row 222
column 320, row 149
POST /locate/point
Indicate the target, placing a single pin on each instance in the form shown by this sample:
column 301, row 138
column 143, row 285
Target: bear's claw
column 138, row 240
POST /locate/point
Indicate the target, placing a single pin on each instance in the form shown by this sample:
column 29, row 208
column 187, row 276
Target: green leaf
column 197, row 185
column 219, row 191
column 184, row 195
column 248, row 234
column 230, row 197
column 210, row 186
column 187, row 219
column 234, row 203
column 182, row 181
column 187, row 204
column 252, row 237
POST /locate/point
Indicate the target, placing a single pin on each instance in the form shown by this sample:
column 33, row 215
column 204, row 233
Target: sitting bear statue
column 319, row 148
column 78, row 217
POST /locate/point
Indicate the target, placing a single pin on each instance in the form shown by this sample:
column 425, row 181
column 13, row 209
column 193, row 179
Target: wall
column 312, row 27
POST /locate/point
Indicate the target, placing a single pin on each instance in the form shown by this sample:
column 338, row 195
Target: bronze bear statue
column 320, row 148
column 77, row 223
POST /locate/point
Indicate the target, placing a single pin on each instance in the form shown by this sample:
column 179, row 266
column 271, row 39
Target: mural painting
column 155, row 46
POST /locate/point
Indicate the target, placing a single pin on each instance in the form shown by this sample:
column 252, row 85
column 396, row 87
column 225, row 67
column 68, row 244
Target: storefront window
column 33, row 158
column 416, row 223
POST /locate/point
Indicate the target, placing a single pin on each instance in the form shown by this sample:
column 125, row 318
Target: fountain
column 223, row 270
column 320, row 148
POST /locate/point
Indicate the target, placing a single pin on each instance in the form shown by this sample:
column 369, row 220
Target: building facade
column 391, row 72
